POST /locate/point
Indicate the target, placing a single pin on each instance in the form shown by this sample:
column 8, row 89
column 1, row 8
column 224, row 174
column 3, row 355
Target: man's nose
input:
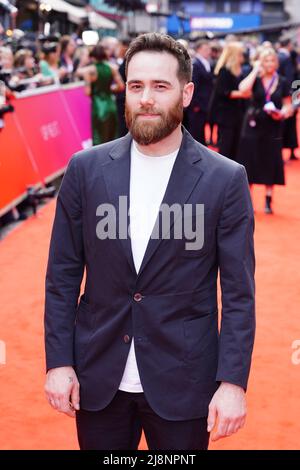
column 147, row 98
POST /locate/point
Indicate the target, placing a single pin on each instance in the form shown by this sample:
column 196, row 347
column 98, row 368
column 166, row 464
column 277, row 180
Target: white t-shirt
column 149, row 177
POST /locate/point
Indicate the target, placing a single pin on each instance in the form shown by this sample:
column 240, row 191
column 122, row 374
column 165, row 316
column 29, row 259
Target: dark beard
column 146, row 133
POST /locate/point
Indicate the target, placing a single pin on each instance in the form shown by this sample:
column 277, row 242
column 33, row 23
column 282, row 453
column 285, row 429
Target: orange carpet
column 26, row 420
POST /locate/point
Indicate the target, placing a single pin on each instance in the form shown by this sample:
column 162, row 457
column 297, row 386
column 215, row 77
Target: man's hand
column 228, row 405
column 62, row 390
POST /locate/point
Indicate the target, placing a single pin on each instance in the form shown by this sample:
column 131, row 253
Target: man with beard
column 142, row 345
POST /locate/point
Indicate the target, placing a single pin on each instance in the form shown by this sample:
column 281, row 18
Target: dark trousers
column 196, row 121
column 119, row 427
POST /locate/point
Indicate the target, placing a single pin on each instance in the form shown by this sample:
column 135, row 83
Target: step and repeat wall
column 38, row 139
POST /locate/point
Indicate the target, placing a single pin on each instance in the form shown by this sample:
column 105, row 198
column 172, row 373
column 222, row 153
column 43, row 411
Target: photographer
column 25, row 74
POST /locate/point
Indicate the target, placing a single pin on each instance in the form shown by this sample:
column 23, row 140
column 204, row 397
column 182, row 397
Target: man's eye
column 135, row 87
column 160, row 87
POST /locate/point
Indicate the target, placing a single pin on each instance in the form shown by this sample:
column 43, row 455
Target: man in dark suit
column 142, row 345
column 120, row 97
column 202, row 78
column 286, row 66
column 288, row 69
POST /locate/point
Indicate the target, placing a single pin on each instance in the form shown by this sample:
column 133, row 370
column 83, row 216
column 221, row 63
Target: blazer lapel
column 184, row 177
column 117, row 179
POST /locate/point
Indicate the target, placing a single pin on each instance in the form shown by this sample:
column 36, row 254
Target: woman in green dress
column 103, row 80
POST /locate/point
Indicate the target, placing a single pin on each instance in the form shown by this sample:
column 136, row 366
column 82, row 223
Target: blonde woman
column 228, row 99
column 261, row 141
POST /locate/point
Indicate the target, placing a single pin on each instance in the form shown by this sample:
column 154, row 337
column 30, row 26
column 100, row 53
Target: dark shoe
column 23, row 216
column 293, row 156
column 268, row 208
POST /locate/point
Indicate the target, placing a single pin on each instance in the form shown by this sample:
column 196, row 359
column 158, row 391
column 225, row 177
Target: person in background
column 246, row 65
column 103, row 79
column 203, row 86
column 67, row 50
column 2, row 35
column 191, row 53
column 6, row 68
column 267, row 45
column 187, row 45
column 24, row 59
column 216, row 51
column 288, row 69
column 260, row 149
column 81, row 57
column 229, row 99
column 120, row 97
column 6, row 59
column 229, row 38
column 49, row 65
column 110, row 45
column 24, row 69
column 286, row 66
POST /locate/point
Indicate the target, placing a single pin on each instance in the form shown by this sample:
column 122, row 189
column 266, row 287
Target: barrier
column 78, row 105
column 48, row 125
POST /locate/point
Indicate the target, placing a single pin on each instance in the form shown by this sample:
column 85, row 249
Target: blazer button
column 126, row 339
column 137, row 297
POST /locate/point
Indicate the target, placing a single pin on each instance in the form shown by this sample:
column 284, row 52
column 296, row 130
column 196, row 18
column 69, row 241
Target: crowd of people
column 242, row 103
column 248, row 95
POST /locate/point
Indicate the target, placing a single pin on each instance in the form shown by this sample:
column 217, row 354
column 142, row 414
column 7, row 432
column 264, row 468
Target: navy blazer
column 203, row 86
column 180, row 353
column 287, row 68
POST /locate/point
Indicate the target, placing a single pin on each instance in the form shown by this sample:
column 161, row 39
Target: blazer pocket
column 201, row 346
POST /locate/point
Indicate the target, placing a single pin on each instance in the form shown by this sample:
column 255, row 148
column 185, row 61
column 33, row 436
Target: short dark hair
column 125, row 41
column 98, row 52
column 155, row 42
column 285, row 41
column 49, row 48
column 201, row 42
column 20, row 57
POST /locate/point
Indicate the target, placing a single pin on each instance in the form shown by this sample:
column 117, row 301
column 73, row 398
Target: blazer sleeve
column 237, row 266
column 64, row 272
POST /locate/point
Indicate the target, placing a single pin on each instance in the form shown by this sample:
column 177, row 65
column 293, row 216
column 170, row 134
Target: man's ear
column 187, row 94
